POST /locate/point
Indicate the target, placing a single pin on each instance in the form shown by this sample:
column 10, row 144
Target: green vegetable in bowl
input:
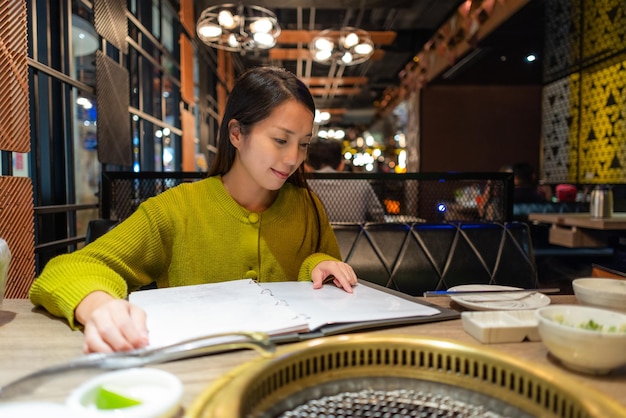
column 591, row 325
column 109, row 399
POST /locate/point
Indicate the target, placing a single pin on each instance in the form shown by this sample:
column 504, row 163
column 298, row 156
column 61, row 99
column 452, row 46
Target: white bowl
column 37, row 409
column 606, row 293
column 158, row 392
column 582, row 349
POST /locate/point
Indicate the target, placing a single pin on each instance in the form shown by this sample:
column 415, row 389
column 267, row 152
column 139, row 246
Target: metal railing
column 351, row 197
column 416, row 197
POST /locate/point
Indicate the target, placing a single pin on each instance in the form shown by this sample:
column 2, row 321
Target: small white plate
column 498, row 301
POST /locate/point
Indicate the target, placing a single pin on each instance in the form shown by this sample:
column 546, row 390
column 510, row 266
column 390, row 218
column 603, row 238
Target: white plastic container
column 5, row 259
column 501, row 326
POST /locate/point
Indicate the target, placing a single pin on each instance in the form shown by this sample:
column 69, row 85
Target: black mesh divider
column 123, row 192
column 352, row 197
column 415, row 197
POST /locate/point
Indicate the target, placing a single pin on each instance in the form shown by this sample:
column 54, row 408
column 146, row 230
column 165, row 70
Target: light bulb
column 232, row 40
column 323, row 44
column 363, row 49
column 209, row 30
column 226, row 19
column 323, row 55
column 347, row 58
column 264, row 39
column 350, row 40
column 262, row 25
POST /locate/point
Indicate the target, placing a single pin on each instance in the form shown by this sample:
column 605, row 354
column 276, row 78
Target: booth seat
column 521, row 210
column 413, row 258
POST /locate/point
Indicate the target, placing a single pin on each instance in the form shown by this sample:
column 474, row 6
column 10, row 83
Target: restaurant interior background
column 454, row 88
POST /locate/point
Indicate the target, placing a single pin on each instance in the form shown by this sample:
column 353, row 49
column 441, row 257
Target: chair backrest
column 414, row 258
column 98, row 227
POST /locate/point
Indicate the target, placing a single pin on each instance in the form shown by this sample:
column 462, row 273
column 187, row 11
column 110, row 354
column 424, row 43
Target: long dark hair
column 254, row 97
column 256, row 94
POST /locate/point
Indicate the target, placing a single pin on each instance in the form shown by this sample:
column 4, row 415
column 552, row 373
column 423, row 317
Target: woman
column 252, row 217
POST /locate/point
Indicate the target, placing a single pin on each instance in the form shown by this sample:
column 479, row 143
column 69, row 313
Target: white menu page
column 180, row 313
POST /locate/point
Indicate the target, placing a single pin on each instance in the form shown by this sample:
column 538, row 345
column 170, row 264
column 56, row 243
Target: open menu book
column 287, row 311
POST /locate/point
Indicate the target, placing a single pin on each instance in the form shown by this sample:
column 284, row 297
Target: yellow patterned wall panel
column 604, row 28
column 584, row 115
column 602, row 127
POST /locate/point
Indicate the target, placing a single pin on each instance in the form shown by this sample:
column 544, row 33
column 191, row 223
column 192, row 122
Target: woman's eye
column 280, row 141
column 305, row 145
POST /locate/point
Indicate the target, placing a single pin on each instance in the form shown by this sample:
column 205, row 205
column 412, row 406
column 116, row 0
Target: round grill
column 381, row 375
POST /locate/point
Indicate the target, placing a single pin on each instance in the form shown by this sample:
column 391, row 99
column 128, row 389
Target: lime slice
column 108, row 399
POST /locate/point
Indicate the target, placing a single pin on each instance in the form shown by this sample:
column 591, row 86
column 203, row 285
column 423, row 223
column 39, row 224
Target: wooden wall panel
column 479, row 128
column 187, row 17
column 186, row 70
column 189, row 140
column 14, row 109
column 17, row 229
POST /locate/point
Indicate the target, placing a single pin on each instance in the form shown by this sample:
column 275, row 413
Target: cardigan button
column 253, row 218
column 251, row 274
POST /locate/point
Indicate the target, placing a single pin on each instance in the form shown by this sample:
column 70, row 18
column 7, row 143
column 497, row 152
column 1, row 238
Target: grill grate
column 391, row 397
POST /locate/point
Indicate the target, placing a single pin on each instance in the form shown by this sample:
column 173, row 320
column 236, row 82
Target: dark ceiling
column 500, row 58
column 414, row 23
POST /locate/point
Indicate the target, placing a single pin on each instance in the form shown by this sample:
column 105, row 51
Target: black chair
column 414, row 258
column 98, row 227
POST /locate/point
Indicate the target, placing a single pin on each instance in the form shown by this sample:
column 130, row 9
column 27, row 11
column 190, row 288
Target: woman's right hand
column 111, row 324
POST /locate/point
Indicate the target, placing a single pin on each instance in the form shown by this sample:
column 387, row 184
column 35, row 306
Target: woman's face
column 275, row 147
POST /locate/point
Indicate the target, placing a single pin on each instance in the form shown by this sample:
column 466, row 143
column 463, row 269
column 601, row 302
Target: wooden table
column 580, row 229
column 582, row 220
column 30, row 339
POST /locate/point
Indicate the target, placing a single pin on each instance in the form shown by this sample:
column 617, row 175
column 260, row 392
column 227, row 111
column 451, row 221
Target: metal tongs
column 122, row 360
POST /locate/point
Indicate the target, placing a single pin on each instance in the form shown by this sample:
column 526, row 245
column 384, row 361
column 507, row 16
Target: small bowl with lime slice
column 131, row 393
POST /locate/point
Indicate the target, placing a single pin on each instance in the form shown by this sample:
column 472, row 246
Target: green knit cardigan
column 191, row 234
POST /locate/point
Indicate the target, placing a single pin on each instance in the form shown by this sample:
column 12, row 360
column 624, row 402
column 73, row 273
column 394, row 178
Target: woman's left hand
column 343, row 276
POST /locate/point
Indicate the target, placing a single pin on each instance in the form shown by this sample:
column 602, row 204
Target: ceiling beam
column 335, row 111
column 294, row 54
column 322, row 81
column 306, row 36
column 320, row 4
column 340, row 91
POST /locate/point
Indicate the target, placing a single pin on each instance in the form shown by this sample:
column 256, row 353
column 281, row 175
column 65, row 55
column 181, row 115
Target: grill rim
column 248, row 389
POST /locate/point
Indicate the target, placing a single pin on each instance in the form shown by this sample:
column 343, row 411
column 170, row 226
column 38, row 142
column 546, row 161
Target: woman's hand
column 111, row 324
column 343, row 275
